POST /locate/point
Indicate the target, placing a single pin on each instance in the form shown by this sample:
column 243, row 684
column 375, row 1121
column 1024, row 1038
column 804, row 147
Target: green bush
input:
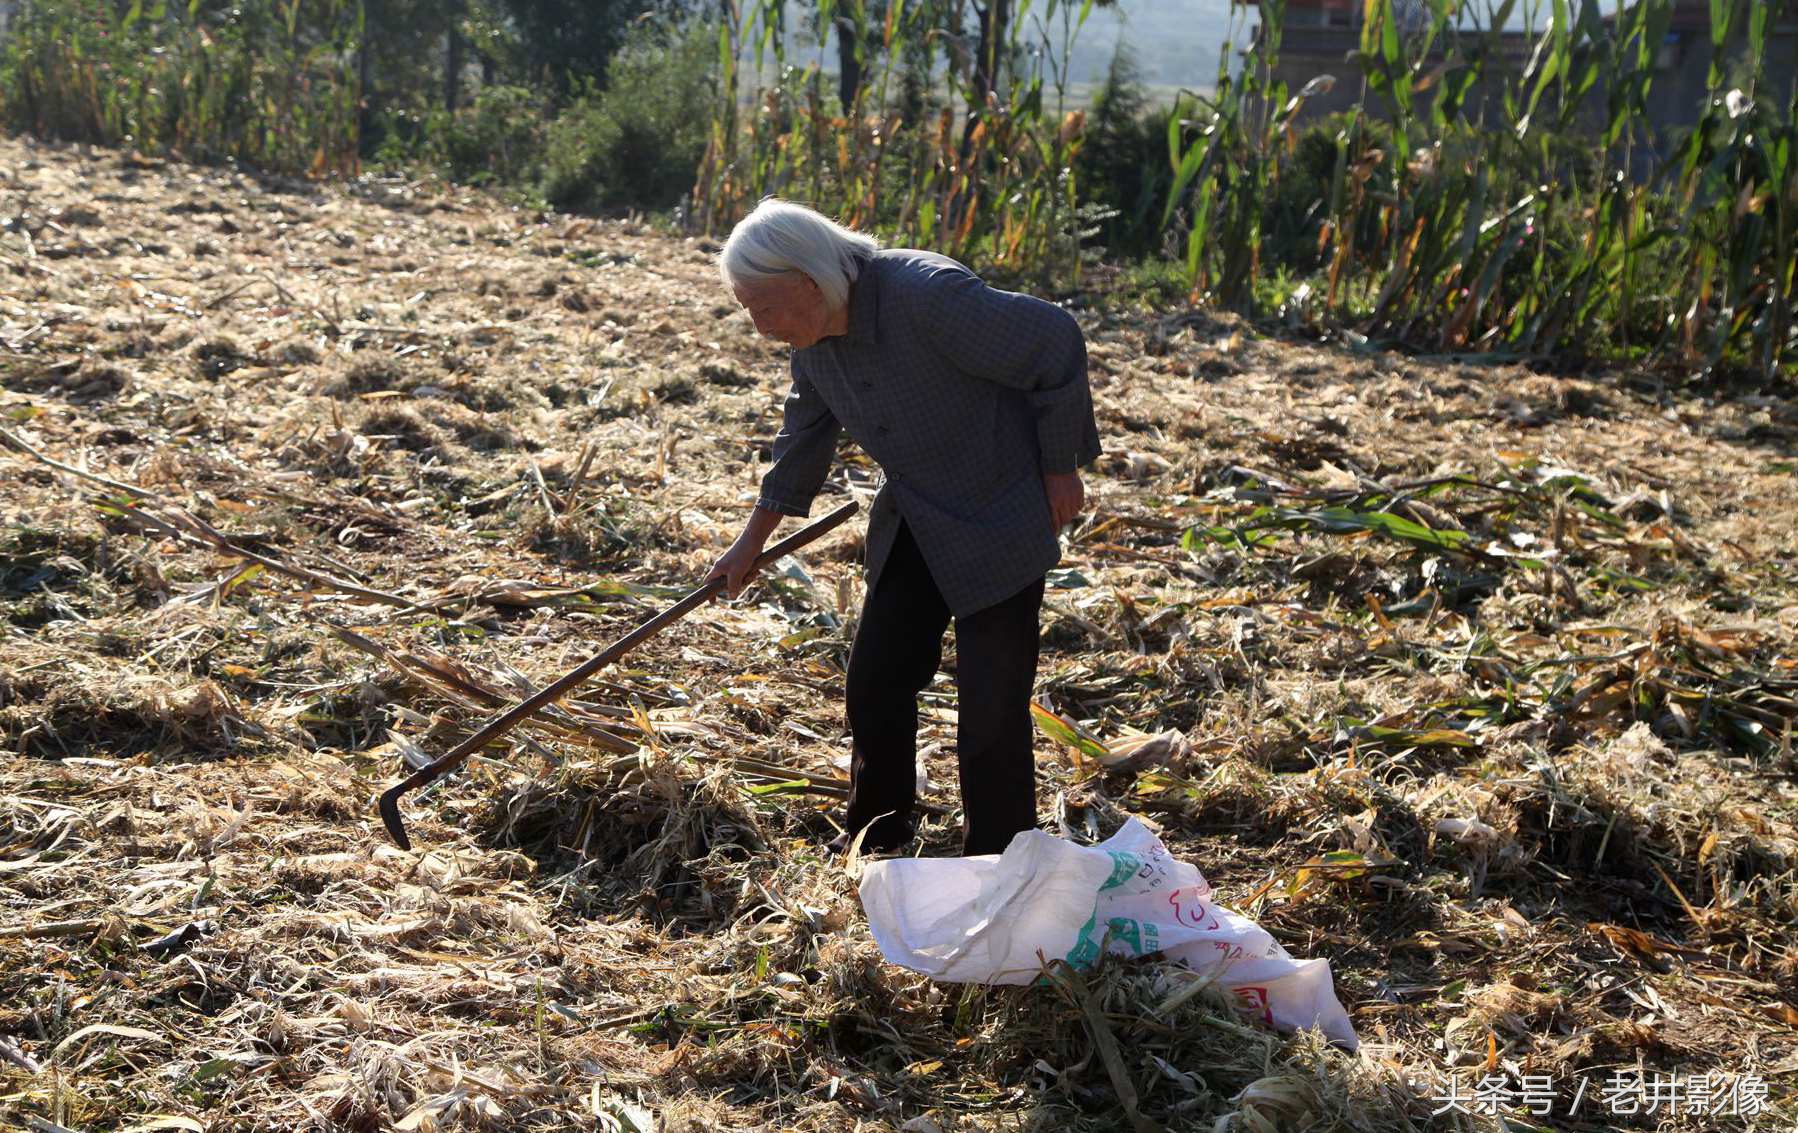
column 499, row 139
column 638, row 143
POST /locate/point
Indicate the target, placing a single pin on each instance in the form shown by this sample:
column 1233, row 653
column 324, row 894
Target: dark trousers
column 897, row 647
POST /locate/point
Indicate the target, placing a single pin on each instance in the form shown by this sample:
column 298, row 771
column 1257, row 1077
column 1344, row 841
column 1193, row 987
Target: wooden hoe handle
column 512, row 717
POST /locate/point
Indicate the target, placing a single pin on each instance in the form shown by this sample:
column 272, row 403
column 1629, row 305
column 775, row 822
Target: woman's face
column 787, row 308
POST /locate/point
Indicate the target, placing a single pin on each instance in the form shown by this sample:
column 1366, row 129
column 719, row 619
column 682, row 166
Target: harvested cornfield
column 1483, row 684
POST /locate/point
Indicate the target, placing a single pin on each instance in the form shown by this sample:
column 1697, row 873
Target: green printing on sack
column 1123, row 868
column 1085, row 951
column 1125, row 930
column 1128, row 931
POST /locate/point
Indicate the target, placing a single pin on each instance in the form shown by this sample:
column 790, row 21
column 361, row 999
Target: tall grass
column 1460, row 218
column 979, row 177
column 271, row 82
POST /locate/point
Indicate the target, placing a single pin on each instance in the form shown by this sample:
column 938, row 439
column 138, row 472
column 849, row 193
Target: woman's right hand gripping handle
column 737, row 565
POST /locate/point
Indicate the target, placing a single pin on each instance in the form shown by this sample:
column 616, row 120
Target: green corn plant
column 1459, row 216
column 266, row 81
column 1233, row 162
column 993, row 184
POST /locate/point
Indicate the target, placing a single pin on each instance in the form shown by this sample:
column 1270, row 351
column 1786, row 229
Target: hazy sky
column 1176, row 41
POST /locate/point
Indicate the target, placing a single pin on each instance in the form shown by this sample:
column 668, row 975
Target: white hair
column 780, row 238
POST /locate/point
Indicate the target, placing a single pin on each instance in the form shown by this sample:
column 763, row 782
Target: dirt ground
column 1483, row 681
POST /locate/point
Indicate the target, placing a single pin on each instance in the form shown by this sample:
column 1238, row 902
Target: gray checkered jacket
column 965, row 395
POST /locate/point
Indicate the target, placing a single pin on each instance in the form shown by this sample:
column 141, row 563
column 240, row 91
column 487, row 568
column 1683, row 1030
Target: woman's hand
column 1067, row 495
column 737, row 565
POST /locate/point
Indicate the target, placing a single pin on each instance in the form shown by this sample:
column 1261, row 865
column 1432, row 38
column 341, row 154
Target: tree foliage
column 566, row 43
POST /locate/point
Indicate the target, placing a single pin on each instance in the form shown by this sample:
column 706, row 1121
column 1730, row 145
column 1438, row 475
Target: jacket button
column 881, row 429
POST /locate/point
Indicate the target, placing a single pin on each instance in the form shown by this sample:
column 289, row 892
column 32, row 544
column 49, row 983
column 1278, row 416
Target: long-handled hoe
column 512, row 717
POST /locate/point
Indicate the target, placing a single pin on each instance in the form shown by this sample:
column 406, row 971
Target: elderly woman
column 975, row 403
